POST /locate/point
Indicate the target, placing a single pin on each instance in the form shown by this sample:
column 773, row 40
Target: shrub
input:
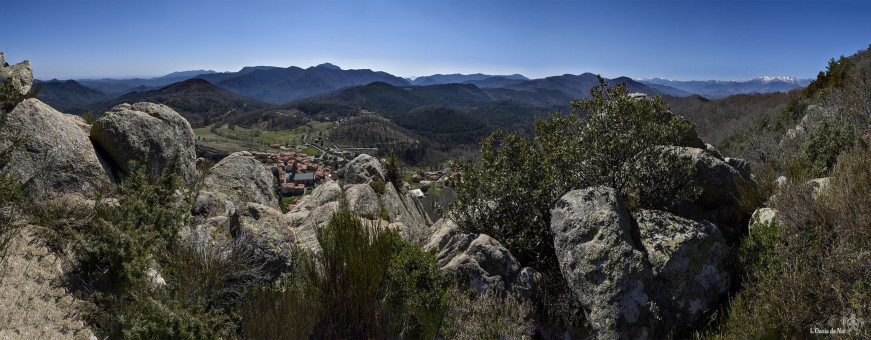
column 486, row 316
column 378, row 186
column 821, row 149
column 132, row 228
column 813, row 269
column 365, row 283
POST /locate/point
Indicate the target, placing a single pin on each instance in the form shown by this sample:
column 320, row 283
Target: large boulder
column 266, row 232
column 688, row 262
column 235, row 180
column 19, row 75
column 147, row 131
column 318, row 218
column 363, row 169
column 362, row 200
column 650, row 278
column 479, row 262
column 56, row 157
column 323, row 194
column 593, row 241
column 719, row 180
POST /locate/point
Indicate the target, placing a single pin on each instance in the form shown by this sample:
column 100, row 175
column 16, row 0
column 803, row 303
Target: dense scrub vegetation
column 808, row 269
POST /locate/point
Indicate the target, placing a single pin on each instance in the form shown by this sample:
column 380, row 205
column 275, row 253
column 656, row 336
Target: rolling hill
column 69, row 96
column 197, row 100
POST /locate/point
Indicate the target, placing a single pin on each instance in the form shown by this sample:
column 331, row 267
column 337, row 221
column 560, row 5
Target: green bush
column 378, row 186
column 821, row 149
column 135, row 227
column 365, row 283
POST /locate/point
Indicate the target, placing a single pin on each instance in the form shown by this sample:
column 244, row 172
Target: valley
column 426, row 121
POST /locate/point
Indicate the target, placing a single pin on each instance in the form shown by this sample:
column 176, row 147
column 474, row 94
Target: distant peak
column 784, row 79
column 329, row 66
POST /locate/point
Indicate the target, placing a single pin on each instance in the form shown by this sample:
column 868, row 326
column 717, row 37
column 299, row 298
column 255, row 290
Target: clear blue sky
column 673, row 39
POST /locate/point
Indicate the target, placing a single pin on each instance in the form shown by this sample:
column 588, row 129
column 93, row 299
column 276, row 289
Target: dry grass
column 813, row 271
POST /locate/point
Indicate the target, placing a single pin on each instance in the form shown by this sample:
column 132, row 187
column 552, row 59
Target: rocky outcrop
column 642, row 279
column 719, row 180
column 408, row 210
column 56, row 157
column 362, row 200
column 688, row 261
column 403, row 212
column 19, row 75
column 148, row 132
column 479, row 262
column 598, row 258
column 323, row 194
column 363, row 169
column 269, row 236
column 235, row 180
column 317, row 218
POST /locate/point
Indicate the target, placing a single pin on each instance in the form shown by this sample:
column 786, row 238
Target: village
column 297, row 174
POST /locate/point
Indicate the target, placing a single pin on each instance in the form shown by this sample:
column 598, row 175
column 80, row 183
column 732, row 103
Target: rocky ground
column 33, row 301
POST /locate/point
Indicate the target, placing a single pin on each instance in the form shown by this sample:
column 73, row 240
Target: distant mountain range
column 501, row 101
column 457, row 78
column 715, row 89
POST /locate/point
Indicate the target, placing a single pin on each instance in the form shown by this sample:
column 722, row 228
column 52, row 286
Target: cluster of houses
column 295, row 172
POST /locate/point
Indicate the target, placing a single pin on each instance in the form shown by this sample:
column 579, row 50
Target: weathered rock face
column 20, row 75
column 56, row 158
column 317, row 218
column 596, row 254
column 234, row 181
column 637, row 280
column 269, row 235
column 323, row 194
column 479, row 262
column 363, row 169
column 688, row 260
column 763, row 216
column 719, row 181
column 741, row 165
column 131, row 133
column 363, row 201
column 408, row 210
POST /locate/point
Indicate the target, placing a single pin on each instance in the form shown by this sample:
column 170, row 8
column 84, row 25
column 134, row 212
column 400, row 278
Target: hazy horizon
column 678, row 40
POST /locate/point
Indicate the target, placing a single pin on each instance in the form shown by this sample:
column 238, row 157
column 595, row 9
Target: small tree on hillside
column 392, row 170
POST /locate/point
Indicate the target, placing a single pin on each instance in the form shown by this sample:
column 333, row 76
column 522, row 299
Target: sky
column 678, row 39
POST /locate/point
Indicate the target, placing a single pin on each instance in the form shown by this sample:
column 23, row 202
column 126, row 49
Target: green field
column 240, row 138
